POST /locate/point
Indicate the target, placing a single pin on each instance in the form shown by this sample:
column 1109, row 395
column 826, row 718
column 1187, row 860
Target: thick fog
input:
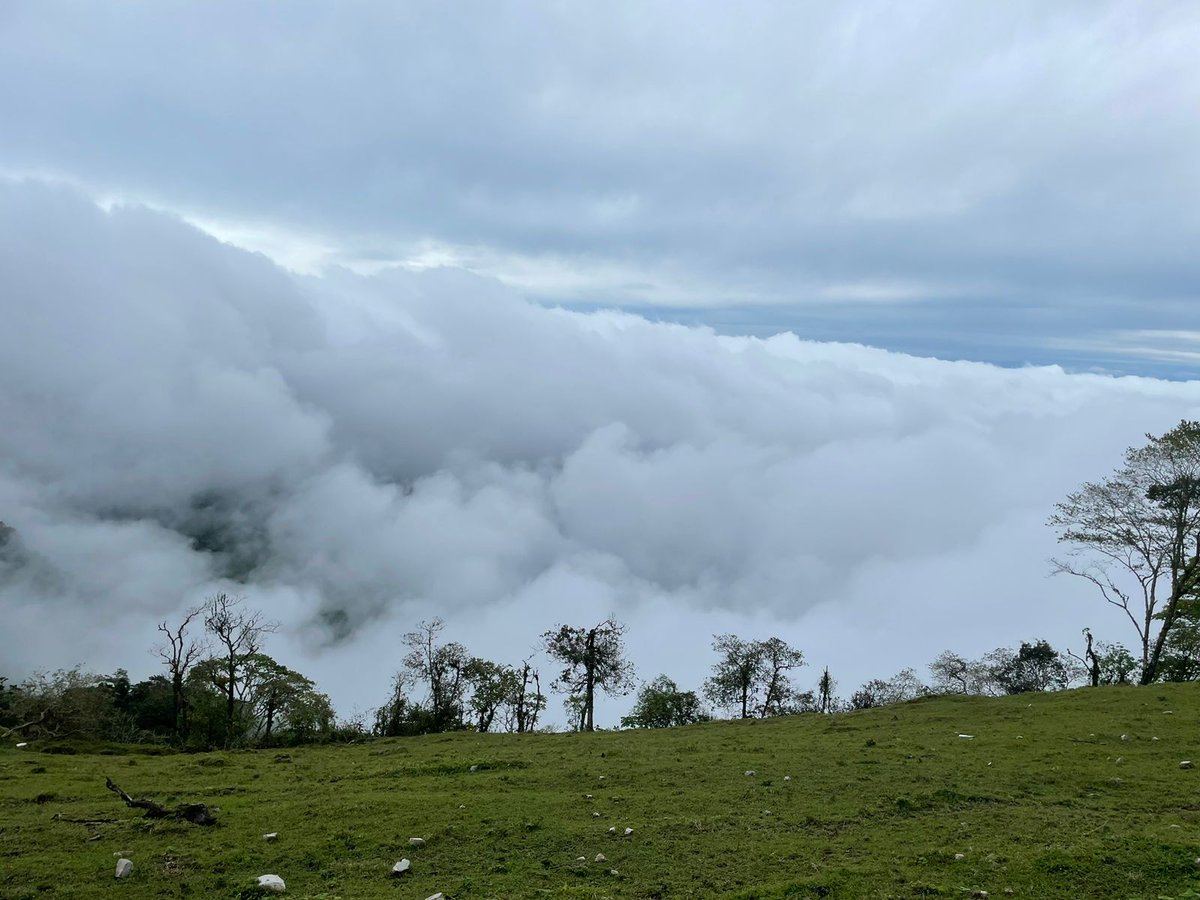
column 354, row 454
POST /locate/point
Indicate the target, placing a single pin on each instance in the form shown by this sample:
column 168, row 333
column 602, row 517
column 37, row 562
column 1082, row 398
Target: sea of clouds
column 353, row 454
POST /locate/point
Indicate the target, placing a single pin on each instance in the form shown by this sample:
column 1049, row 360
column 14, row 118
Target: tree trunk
column 589, row 697
column 229, row 700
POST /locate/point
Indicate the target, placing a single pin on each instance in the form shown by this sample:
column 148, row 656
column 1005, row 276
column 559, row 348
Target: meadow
column 1047, row 799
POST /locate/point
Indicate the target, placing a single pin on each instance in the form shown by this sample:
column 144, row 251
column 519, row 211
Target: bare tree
column 179, row 652
column 239, row 634
column 953, row 674
column 529, row 701
column 592, row 658
column 1135, row 535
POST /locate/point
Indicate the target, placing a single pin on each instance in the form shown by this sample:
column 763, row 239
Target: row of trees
column 218, row 690
column 1134, row 536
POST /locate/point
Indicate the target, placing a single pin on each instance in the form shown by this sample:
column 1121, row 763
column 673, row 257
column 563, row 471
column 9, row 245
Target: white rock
column 749, row 772
column 628, row 832
column 474, row 768
column 787, row 777
column 121, row 853
column 271, row 836
column 438, row 896
column 595, row 815
column 960, row 856
column 1154, row 739
column 272, row 883
column 602, row 777
column 124, row 868
column 1168, row 712
column 600, row 857
column 1120, row 759
column 22, row 744
column 612, row 830
column 462, row 806
column 581, row 859
column 1124, row 737
column 401, row 867
column 416, row 842
column 1186, row 764
column 967, row 737
column 588, row 797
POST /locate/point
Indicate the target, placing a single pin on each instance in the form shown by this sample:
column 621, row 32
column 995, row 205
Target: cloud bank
column 1013, row 182
column 178, row 416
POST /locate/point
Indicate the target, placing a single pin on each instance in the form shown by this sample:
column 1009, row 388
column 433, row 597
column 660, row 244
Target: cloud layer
column 355, row 453
column 1011, row 183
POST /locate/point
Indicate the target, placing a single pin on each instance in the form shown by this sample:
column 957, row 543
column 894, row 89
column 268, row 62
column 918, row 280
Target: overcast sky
column 714, row 318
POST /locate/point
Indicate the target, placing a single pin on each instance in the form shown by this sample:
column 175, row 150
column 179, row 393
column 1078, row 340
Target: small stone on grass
column 272, row 883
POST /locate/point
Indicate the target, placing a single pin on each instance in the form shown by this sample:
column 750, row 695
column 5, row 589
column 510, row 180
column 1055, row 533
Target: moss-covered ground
column 1046, row 800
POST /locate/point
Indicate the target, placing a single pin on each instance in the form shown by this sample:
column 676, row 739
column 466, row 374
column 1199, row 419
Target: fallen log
column 196, row 813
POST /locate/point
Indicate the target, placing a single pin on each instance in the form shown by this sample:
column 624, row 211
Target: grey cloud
column 1030, row 159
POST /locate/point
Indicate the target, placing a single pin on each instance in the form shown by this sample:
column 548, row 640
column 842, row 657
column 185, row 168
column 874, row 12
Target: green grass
column 1046, row 800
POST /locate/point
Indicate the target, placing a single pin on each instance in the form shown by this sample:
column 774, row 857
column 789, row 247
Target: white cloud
column 368, row 451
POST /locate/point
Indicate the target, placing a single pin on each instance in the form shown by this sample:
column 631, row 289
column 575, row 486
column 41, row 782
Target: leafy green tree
column 394, row 717
column 65, row 703
column 826, row 685
column 238, row 634
column 752, row 676
column 592, row 659
column 1135, row 536
column 285, row 705
column 1034, row 667
column 442, row 670
column 152, row 707
column 780, row 695
column 1181, row 653
column 493, row 687
column 736, row 674
column 661, row 704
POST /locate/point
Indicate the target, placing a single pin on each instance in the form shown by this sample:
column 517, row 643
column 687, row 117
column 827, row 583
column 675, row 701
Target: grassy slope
column 879, row 804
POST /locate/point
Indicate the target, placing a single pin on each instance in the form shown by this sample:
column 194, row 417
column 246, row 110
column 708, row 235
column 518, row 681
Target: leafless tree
column 179, row 652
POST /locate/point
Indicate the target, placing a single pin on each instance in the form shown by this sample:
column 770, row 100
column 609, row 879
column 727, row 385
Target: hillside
column 1046, row 800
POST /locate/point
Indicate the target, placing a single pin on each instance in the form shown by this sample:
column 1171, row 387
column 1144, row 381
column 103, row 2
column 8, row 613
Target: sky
column 795, row 319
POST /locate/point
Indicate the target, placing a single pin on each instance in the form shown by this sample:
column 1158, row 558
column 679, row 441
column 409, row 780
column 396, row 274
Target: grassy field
column 1047, row 800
